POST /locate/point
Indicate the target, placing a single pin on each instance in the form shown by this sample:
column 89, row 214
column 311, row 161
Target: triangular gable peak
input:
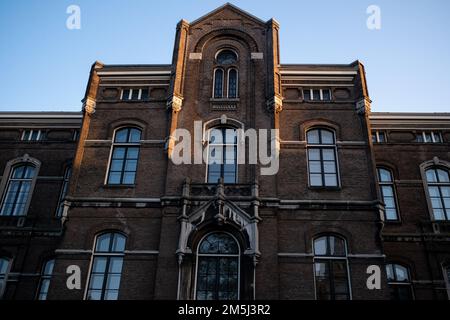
column 227, row 12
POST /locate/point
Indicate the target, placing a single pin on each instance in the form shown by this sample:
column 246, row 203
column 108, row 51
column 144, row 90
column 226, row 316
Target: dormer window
column 226, row 75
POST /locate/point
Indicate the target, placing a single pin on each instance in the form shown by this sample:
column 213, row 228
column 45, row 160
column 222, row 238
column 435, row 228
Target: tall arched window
column 18, row 190
column 106, row 267
column 331, row 268
column 386, row 183
column 322, row 159
column 218, row 83
column 124, row 156
column 399, row 282
column 226, row 73
column 232, row 83
column 46, row 276
column 218, row 265
column 438, row 182
column 4, row 270
column 222, row 155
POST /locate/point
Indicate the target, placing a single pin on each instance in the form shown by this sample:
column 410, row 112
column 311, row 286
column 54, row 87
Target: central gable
column 228, row 15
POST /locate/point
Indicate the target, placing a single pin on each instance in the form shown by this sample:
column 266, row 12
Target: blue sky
column 44, row 66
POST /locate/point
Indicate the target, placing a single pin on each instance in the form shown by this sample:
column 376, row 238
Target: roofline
column 41, row 115
column 224, row 6
column 409, row 116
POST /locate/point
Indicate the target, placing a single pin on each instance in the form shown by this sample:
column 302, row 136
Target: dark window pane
column 307, row 94
column 316, row 94
column 125, row 94
column 226, row 57
column 326, row 94
column 232, row 83
column 134, row 94
column 144, row 94
column 218, row 83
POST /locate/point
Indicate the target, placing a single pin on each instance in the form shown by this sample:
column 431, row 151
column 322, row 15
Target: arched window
column 331, row 268
column 4, row 270
column 399, row 282
column 386, row 183
column 232, row 83
column 124, row 156
column 322, row 159
column 222, row 155
column 226, row 73
column 438, row 183
column 46, row 276
column 218, row 265
column 63, row 193
column 218, row 83
column 446, row 270
column 106, row 267
column 18, row 190
column 226, row 56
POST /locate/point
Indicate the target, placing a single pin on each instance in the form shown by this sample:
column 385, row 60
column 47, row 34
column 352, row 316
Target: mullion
column 122, row 171
column 105, row 275
column 441, row 198
column 322, row 169
column 16, row 197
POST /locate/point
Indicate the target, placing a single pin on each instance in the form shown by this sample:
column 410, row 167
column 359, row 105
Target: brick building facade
column 100, row 189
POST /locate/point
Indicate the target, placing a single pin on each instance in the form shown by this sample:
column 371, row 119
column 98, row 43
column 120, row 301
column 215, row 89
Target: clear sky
column 44, row 66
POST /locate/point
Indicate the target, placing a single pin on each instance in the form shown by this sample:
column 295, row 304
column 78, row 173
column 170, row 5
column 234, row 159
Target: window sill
column 325, row 188
column 224, row 99
column 119, row 186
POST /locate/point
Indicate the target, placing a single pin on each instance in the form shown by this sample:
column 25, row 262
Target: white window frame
column 224, row 145
column 122, row 144
column 6, row 275
column 95, row 254
column 218, row 255
column 323, row 146
column 446, row 272
column 376, row 134
column 63, row 191
column 394, row 191
column 228, row 82
column 433, row 135
column 214, row 83
column 349, row 281
column 30, row 135
column 130, row 94
column 311, row 96
column 45, row 276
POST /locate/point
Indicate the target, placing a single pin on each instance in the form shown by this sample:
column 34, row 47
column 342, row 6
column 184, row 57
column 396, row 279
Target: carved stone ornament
column 89, row 105
column 275, row 104
column 175, row 103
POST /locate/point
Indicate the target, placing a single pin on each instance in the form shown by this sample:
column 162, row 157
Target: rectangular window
column 4, row 269
column 429, row 137
column 331, row 279
column 317, row 94
column 135, row 94
column 46, row 277
column 33, row 135
column 64, row 187
column 379, row 137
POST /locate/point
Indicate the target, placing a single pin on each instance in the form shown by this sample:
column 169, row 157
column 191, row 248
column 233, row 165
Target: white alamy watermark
column 227, row 146
column 73, row 21
column 373, row 22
